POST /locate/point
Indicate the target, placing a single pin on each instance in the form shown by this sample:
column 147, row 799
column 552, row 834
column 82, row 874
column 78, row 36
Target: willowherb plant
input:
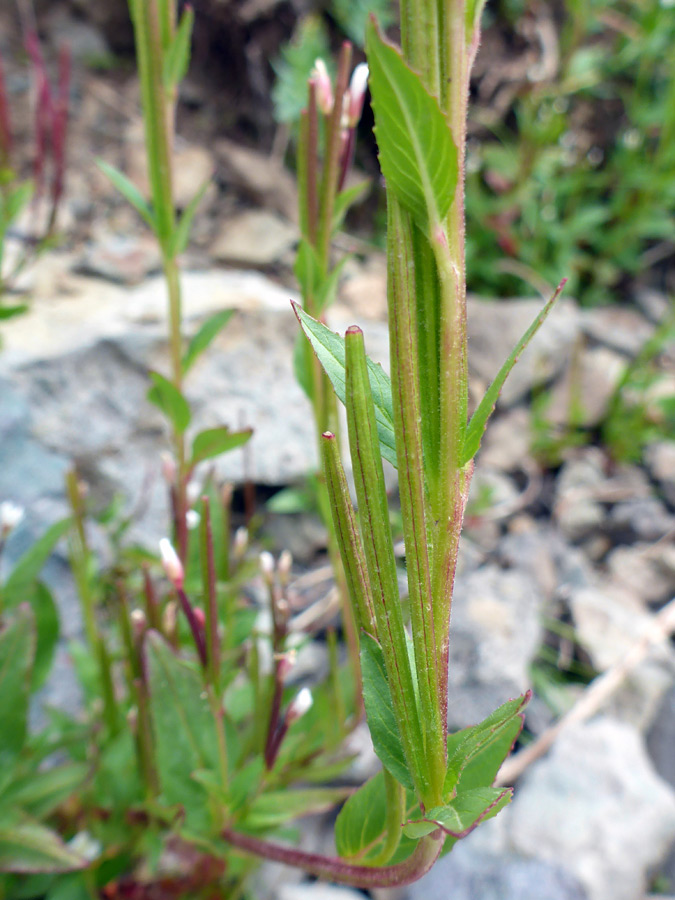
column 199, row 742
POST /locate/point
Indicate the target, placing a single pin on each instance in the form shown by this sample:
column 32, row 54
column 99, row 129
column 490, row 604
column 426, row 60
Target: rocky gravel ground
column 568, row 556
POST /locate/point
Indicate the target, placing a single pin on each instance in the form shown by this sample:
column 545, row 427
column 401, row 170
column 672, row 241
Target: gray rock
column 317, row 891
column 586, row 388
column 576, row 509
column 596, row 805
column 646, row 570
column 620, row 328
column 80, row 362
column 661, row 739
column 494, row 634
column 495, row 327
column 660, row 459
column 469, row 875
column 506, row 444
column 254, row 238
column 642, row 519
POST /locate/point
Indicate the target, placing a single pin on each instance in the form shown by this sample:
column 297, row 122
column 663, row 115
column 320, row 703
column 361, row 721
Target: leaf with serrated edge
column 464, row 813
column 476, row 427
column 380, row 712
column 494, row 736
column 330, row 350
column 417, row 154
column 362, row 819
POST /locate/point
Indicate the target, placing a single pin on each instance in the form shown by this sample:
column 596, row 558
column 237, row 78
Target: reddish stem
column 336, row 869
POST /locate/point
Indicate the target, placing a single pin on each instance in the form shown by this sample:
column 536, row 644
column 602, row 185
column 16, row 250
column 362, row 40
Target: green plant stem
column 395, row 816
column 346, row 532
column 380, row 561
column 335, row 869
column 80, row 558
column 405, row 381
column 331, row 168
column 210, row 594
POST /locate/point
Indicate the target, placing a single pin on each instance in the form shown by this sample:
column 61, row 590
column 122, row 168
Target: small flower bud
column 10, row 516
column 300, row 705
column 192, row 492
column 172, row 564
column 169, row 619
column 324, row 88
column 240, row 543
column 200, row 618
column 284, row 566
column 192, row 519
column 356, row 94
column 139, row 622
column 266, row 561
column 285, row 662
column 168, row 468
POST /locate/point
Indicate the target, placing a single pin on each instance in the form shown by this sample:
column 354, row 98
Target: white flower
column 10, row 516
column 192, row 519
column 172, row 564
column 356, row 94
column 300, row 705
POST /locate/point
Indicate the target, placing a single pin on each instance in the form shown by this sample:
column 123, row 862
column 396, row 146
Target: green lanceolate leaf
column 215, row 441
column 177, row 58
column 476, row 754
column 207, row 333
column 40, row 793
column 129, row 191
column 345, row 199
column 476, row 427
column 380, row 712
column 185, row 734
column 17, row 649
column 274, row 808
column 166, row 397
column 362, row 819
column 474, row 10
column 47, row 632
column 330, row 350
column 459, row 817
column 27, row 847
column 418, row 156
column 8, row 312
column 27, row 569
column 181, row 235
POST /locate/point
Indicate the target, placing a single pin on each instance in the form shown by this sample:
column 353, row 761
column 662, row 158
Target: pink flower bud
column 324, row 87
column 171, row 563
column 356, row 94
column 168, row 468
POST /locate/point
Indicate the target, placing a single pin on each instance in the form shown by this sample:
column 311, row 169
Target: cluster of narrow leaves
column 474, row 757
